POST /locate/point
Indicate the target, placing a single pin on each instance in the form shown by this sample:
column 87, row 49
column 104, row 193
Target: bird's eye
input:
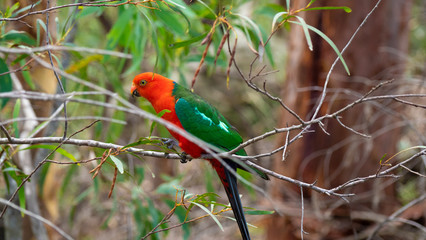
column 142, row 83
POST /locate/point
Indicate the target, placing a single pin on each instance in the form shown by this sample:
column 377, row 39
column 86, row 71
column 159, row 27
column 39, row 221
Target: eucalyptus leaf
column 117, row 163
column 209, row 213
column 346, row 9
column 5, row 82
column 330, row 42
column 306, row 32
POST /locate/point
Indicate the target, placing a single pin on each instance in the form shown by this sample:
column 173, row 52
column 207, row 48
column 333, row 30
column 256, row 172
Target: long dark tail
column 229, row 182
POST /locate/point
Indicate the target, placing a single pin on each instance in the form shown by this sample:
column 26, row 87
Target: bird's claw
column 184, row 157
column 170, row 142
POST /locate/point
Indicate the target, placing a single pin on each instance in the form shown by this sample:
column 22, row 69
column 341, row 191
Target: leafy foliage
column 160, row 36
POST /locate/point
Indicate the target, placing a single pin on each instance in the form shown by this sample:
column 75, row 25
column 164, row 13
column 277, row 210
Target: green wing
column 204, row 121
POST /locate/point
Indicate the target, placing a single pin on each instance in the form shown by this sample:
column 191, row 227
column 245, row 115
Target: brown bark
column 336, row 158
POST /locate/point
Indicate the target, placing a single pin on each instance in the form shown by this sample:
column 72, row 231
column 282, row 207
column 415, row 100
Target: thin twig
column 414, row 172
column 384, row 173
column 76, row 162
column 23, row 119
column 351, row 129
column 409, row 103
column 61, row 87
column 302, row 232
column 64, row 48
column 285, row 145
column 5, row 132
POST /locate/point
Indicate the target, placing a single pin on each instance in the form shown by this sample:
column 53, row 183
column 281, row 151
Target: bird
column 196, row 116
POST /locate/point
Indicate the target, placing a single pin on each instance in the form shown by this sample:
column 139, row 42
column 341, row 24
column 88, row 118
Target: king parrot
column 196, row 116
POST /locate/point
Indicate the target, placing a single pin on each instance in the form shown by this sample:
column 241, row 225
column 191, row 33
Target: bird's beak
column 134, row 92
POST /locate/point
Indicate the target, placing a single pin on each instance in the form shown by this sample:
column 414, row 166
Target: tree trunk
column 330, row 160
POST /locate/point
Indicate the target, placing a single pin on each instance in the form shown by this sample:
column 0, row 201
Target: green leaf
column 16, row 111
column 346, row 9
column 169, row 187
column 188, row 42
column 39, row 23
column 26, row 8
column 160, row 114
column 254, row 26
column 310, row 3
column 139, row 174
column 143, row 141
column 276, row 17
column 306, row 32
column 27, row 76
column 382, row 158
column 175, row 3
column 16, row 174
column 40, row 126
column 10, row 10
column 330, row 42
column 154, row 34
column 209, row 213
column 86, row 11
column 118, row 29
column 5, row 82
column 259, row 212
column 207, row 6
column 11, row 169
column 137, row 43
column 42, row 178
column 61, row 151
column 206, row 198
column 18, row 37
column 117, row 163
column 170, row 20
column 269, row 10
column 154, row 213
column 180, row 12
column 22, row 200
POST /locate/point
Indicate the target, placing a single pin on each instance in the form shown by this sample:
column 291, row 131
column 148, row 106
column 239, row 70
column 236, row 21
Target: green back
column 204, row 121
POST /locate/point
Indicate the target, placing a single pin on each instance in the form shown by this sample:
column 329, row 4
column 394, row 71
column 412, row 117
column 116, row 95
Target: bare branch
column 384, row 173
column 414, row 172
column 351, row 129
column 302, row 232
column 5, row 132
column 64, row 48
column 410, row 103
column 285, row 145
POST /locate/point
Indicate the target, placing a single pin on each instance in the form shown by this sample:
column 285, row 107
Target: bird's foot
column 184, row 157
column 170, row 142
